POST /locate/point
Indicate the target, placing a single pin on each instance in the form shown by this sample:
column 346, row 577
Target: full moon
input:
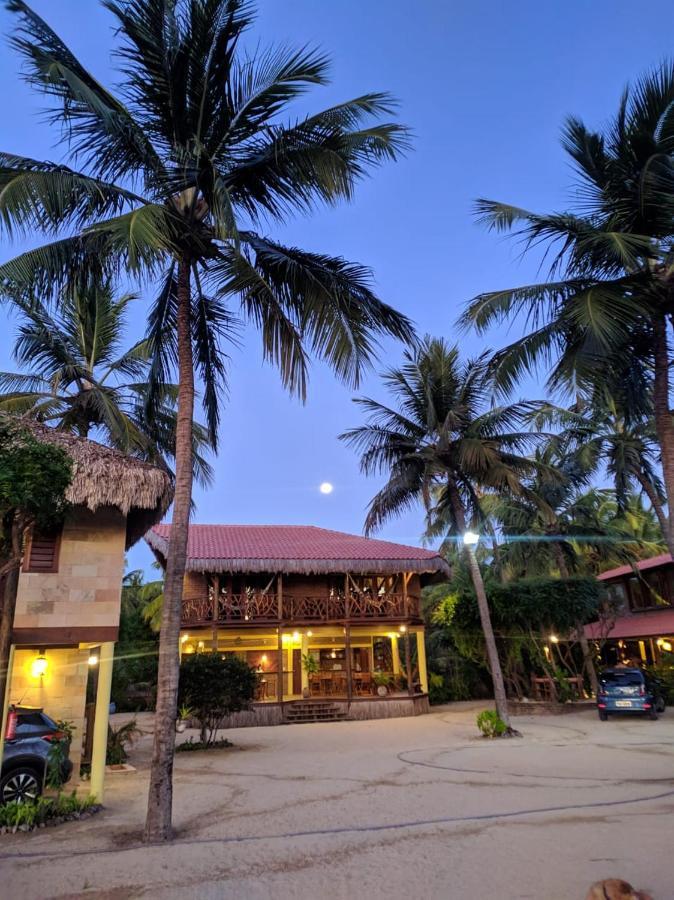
column 325, row 487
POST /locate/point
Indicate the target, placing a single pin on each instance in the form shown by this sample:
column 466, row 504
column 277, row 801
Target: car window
column 621, row 678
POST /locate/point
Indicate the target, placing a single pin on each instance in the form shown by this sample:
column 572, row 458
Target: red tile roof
column 651, row 624
column 294, row 548
column 652, row 563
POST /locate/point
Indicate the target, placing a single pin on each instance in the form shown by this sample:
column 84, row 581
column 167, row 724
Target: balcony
column 261, row 608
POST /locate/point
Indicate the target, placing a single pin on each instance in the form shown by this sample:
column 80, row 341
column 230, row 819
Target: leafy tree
column 605, row 310
column 136, row 656
column 77, row 377
column 175, row 173
column 213, row 687
column 443, row 445
column 34, row 478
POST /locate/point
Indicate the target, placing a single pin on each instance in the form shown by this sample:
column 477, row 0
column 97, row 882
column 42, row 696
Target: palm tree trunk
column 160, row 798
column 500, row 697
column 664, row 425
column 655, row 501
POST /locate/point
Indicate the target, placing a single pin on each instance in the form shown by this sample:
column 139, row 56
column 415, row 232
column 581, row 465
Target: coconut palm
column 442, row 444
column 603, row 435
column 608, row 301
column 77, row 377
column 172, row 176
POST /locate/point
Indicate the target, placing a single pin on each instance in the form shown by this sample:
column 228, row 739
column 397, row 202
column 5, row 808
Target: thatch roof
column 104, row 477
column 299, row 549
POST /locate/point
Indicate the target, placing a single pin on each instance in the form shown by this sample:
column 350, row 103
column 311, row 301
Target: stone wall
column 86, row 590
column 60, row 692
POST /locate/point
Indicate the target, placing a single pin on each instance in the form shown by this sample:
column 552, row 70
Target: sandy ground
column 400, row 808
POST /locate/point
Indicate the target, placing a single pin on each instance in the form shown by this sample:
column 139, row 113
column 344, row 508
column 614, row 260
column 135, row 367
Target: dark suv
column 26, row 755
column 626, row 690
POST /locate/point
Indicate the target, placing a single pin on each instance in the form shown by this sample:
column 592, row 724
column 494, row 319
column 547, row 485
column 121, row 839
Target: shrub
column 491, row 724
column 215, row 686
column 665, row 675
column 187, row 746
column 118, row 740
column 26, row 816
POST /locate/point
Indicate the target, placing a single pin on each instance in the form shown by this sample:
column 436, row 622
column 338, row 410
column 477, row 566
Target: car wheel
column 652, row 713
column 603, row 715
column 660, row 705
column 21, row 785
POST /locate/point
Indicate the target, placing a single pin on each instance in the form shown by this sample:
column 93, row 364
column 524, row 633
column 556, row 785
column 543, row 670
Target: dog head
column 615, row 889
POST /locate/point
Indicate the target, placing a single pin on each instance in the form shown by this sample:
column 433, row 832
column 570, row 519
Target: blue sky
column 485, row 87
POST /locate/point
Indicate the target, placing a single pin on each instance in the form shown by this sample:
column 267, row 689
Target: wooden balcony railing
column 263, row 608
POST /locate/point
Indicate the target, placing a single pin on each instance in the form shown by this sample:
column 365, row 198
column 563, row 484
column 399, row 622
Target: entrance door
column 297, row 671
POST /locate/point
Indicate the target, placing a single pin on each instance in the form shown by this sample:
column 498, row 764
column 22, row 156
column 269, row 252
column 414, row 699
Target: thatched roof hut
column 104, row 477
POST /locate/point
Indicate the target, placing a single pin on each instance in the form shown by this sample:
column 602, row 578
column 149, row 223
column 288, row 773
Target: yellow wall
column 61, row 691
column 86, row 590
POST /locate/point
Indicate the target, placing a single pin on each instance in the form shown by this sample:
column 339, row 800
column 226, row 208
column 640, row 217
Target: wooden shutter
column 43, row 552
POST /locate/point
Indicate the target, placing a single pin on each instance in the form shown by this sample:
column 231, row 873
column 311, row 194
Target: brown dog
column 615, row 889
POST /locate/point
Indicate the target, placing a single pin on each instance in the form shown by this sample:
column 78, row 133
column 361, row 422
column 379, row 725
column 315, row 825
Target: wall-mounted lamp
column 403, row 629
column 39, row 665
column 93, row 659
column 554, row 639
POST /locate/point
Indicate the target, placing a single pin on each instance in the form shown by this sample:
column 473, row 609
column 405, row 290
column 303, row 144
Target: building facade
column 321, row 615
column 639, row 625
column 68, row 602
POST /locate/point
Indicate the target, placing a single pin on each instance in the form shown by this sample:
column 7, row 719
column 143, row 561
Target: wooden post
column 347, row 654
column 279, row 596
column 408, row 663
column 406, row 602
column 216, row 611
column 347, row 598
column 279, row 666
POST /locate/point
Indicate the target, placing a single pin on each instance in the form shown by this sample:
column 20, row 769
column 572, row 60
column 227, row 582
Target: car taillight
column 10, row 733
column 55, row 736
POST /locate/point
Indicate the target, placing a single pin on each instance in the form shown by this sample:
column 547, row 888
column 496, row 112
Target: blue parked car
column 624, row 690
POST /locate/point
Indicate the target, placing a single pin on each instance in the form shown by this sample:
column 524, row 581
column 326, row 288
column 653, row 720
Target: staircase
column 317, row 711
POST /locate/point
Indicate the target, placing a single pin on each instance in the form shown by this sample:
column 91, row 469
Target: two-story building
column 328, row 619
column 68, row 603
column 640, row 623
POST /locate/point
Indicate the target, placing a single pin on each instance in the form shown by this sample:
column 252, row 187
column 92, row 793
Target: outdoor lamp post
column 471, row 539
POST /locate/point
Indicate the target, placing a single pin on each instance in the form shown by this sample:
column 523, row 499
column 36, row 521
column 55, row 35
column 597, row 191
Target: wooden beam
column 347, row 653
column 279, row 666
column 406, row 602
column 408, row 664
column 216, row 611
column 279, row 596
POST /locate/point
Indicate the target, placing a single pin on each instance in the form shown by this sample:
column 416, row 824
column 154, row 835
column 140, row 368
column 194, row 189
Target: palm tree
column 77, row 377
column 608, row 302
column 607, row 433
column 177, row 171
column 442, row 444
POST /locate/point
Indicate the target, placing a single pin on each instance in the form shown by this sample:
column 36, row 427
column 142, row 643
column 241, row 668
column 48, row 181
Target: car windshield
column 616, row 679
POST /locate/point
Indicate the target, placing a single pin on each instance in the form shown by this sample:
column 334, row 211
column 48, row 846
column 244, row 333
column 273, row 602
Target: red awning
column 651, row 624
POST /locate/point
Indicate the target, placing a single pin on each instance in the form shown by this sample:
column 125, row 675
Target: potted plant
column 382, row 680
column 184, row 715
column 311, row 667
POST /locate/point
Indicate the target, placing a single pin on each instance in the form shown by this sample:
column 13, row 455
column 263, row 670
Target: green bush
column 665, row 675
column 491, row 724
column 187, row 746
column 214, row 686
column 44, row 809
column 118, row 740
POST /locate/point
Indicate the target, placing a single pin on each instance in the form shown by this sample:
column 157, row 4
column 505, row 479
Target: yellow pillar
column 305, row 674
column 395, row 654
column 100, row 742
column 6, row 699
column 421, row 661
